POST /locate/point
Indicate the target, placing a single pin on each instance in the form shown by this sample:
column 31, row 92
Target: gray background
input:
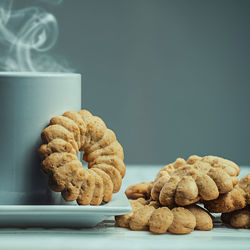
column 171, row 78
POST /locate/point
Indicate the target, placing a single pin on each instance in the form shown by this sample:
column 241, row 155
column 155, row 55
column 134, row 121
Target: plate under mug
column 71, row 215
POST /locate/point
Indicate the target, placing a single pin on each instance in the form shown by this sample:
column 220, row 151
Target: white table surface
column 107, row 236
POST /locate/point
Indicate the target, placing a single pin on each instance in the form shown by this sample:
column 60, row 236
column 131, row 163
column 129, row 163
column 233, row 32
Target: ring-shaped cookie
column 63, row 139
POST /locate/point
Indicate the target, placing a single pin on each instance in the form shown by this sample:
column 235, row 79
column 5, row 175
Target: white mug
column 27, row 102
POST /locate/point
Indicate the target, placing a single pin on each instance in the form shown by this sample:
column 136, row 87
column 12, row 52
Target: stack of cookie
column 150, row 215
column 169, row 203
column 234, row 205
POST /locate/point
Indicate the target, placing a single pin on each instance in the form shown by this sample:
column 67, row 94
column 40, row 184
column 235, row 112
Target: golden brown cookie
column 236, row 199
column 159, row 220
column 238, row 219
column 63, row 138
column 139, row 190
column 198, row 177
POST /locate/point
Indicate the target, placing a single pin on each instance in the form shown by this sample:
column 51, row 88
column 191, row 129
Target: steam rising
column 25, row 37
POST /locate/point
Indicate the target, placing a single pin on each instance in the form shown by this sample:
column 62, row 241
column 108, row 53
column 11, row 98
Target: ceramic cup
column 27, row 102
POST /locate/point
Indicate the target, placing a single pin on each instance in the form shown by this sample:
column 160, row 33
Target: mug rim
column 37, row 74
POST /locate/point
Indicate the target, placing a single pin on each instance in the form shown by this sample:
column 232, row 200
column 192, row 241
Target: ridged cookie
column 183, row 182
column 148, row 215
column 81, row 131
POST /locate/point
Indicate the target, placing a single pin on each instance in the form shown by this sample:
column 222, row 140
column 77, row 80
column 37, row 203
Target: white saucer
column 62, row 215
